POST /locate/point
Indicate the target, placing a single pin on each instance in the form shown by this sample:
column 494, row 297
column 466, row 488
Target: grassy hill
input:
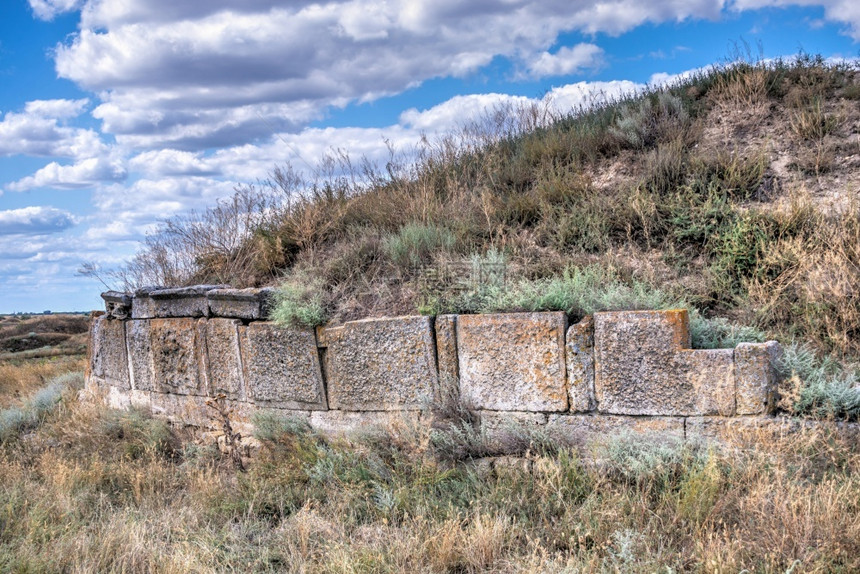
column 732, row 192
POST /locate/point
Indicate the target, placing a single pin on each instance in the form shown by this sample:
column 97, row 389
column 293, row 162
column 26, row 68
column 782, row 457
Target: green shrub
column 641, row 125
column 414, row 244
column 821, row 387
column 298, row 305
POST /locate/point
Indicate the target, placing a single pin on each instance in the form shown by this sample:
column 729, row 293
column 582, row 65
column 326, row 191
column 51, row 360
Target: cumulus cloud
column 37, row 220
column 39, row 131
column 84, row 173
column 566, row 61
column 193, row 75
column 48, row 9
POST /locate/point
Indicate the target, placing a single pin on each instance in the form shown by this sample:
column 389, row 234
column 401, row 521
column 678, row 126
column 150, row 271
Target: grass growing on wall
column 732, row 191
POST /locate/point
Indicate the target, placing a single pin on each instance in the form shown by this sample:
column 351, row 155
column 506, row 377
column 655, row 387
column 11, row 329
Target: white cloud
column 84, row 173
column 38, row 131
column 194, row 75
column 38, row 220
column 48, row 9
column 566, row 61
column 843, row 11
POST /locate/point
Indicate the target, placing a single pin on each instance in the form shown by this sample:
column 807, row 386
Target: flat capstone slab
column 513, row 361
column 108, row 353
column 250, row 304
column 158, row 302
column 282, row 367
column 117, row 304
column 177, row 347
column 643, row 366
column 382, row 364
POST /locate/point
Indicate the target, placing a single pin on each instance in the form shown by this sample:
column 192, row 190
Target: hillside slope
column 733, row 192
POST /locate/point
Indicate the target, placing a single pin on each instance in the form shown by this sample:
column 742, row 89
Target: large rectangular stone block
column 140, row 354
column 382, row 364
column 643, row 366
column 757, row 378
column 579, row 349
column 584, row 430
column 108, row 354
column 346, row 423
column 223, row 362
column 177, row 347
column 281, row 367
column 159, row 302
column 513, row 361
column 249, row 304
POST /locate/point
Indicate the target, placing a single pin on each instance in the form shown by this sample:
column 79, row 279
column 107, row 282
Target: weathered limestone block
column 117, row 304
column 177, row 355
column 756, row 375
column 711, row 375
column 345, row 423
column 741, row 430
column 108, row 354
column 583, row 430
column 281, row 367
column 140, row 354
column 223, row 363
column 183, row 410
column 153, row 302
column 446, row 353
column 580, row 365
column 513, row 361
column 124, row 399
column 643, row 366
column 382, row 364
column 249, row 304
column 507, row 431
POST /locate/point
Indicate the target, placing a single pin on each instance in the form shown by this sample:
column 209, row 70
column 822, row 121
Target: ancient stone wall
column 168, row 350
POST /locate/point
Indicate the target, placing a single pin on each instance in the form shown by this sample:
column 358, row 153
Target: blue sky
column 117, row 114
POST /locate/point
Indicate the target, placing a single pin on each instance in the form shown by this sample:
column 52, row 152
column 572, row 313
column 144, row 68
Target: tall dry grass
column 96, row 490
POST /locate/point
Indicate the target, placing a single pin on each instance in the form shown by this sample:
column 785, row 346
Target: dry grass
column 118, row 492
column 20, row 378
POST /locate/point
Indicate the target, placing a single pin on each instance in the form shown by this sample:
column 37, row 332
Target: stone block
column 446, row 354
column 382, row 364
column 183, row 410
column 281, row 367
column 711, row 376
column 582, row 430
column 117, row 304
column 579, row 349
column 157, row 302
column 140, row 355
column 756, row 376
column 177, row 347
column 508, row 431
column 368, row 423
column 248, row 304
column 125, row 399
column 513, row 361
column 108, row 355
column 740, row 430
column 223, row 363
column 643, row 366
